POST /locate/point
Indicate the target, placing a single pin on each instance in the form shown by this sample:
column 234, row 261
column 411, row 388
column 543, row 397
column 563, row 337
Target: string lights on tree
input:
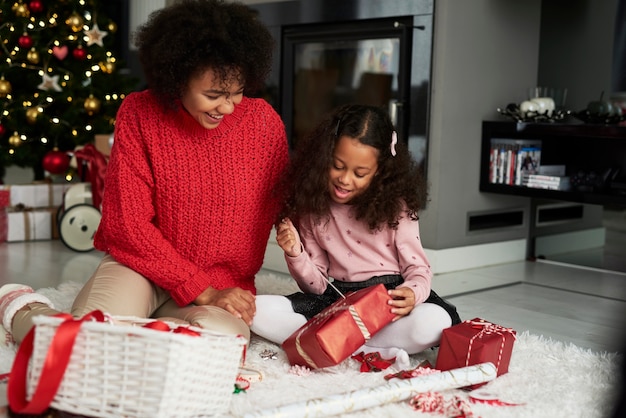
column 60, row 82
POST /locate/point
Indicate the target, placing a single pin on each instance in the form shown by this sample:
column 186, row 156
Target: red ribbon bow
column 373, row 362
column 56, row 362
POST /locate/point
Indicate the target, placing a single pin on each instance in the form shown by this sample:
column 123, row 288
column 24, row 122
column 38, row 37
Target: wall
column 485, row 56
column 576, row 51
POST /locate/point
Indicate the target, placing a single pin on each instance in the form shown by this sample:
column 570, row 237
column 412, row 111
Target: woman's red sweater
column 189, row 207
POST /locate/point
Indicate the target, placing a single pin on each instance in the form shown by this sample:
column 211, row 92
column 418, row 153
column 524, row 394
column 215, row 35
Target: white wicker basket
column 120, row 369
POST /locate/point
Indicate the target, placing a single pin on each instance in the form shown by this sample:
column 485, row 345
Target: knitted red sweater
column 189, row 207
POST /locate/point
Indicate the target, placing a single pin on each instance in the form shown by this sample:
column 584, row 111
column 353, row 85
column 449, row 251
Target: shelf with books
column 571, row 162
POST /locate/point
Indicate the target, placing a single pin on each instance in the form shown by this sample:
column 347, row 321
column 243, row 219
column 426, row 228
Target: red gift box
column 5, row 201
column 475, row 341
column 5, row 198
column 334, row 334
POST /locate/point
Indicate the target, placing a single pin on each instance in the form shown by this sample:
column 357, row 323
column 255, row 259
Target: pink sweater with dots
column 346, row 250
column 189, row 207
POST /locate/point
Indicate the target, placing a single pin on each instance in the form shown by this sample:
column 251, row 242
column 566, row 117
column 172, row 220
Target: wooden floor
column 584, row 306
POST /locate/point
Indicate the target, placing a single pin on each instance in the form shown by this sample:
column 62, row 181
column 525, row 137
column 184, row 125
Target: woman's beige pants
column 118, row 290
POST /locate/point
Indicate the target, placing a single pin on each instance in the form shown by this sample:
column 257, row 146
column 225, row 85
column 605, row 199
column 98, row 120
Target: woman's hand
column 288, row 238
column 237, row 301
column 402, row 302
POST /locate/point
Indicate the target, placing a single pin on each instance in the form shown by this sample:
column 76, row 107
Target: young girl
column 352, row 215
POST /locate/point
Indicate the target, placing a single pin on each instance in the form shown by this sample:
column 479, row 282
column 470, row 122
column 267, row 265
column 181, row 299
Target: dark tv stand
column 594, row 157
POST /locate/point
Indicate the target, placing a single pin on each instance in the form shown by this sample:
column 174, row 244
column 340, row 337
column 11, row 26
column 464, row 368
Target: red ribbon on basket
column 53, row 369
column 56, row 362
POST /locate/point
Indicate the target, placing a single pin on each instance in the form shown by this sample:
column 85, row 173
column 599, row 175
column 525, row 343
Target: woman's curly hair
column 398, row 180
column 181, row 41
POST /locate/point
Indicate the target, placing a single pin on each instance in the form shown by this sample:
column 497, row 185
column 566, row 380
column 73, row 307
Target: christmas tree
column 60, row 79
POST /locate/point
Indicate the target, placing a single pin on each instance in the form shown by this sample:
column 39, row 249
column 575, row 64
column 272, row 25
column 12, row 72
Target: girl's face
column 353, row 169
column 207, row 100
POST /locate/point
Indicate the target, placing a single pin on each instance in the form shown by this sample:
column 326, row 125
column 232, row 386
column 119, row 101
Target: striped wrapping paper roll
column 394, row 391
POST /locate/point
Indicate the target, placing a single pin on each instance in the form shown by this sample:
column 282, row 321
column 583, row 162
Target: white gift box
column 29, row 225
column 36, row 195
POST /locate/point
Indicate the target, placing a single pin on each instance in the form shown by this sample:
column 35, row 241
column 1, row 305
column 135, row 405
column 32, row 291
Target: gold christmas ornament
column 92, row 105
column 75, row 22
column 33, row 56
column 15, row 140
column 31, row 115
column 107, row 67
column 5, row 87
column 21, row 10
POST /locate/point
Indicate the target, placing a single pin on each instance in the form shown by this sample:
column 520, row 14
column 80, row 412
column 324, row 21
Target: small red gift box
column 5, row 198
column 475, row 341
column 334, row 334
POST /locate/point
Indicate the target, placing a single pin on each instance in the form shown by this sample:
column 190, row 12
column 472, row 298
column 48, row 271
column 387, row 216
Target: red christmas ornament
column 79, row 53
column 35, row 6
column 56, row 162
column 25, row 41
column 3, row 130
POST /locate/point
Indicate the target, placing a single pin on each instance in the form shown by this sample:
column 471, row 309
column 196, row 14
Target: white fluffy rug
column 549, row 378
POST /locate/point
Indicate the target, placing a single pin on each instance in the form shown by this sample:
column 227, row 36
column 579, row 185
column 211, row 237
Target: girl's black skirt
column 309, row 304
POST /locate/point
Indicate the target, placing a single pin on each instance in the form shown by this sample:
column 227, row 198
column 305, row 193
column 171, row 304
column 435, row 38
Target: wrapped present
column 335, row 333
column 475, row 341
column 5, row 198
column 36, row 195
column 4, row 226
column 26, row 224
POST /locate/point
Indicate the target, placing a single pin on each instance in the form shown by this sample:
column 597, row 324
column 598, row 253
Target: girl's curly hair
column 183, row 40
column 398, row 180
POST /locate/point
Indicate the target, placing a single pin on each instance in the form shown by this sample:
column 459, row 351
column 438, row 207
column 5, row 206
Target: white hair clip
column 394, row 141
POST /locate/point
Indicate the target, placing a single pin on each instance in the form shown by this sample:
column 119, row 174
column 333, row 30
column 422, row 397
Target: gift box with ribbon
column 475, row 341
column 5, row 201
column 5, row 198
column 102, row 366
column 36, row 195
column 28, row 224
column 338, row 331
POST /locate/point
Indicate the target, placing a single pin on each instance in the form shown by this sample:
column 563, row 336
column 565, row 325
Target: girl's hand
column 237, row 301
column 402, row 302
column 288, row 238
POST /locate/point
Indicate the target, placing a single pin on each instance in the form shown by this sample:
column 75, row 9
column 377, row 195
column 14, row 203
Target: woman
column 189, row 197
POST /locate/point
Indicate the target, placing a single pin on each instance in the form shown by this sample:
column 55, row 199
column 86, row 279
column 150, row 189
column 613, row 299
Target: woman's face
column 207, row 100
column 353, row 169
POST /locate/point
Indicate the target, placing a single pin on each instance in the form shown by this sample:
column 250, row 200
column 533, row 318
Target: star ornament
column 95, row 35
column 50, row 83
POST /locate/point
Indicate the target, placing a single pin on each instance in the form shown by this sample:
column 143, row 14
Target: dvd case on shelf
column 513, row 159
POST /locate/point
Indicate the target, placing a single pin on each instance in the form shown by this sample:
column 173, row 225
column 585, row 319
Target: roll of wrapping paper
column 394, row 391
